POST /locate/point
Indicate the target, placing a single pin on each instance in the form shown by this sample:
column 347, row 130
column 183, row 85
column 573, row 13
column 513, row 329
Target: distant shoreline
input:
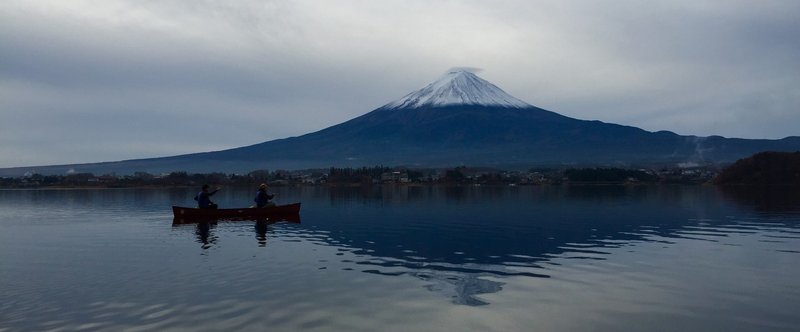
column 370, row 176
column 408, row 185
column 427, row 185
column 778, row 169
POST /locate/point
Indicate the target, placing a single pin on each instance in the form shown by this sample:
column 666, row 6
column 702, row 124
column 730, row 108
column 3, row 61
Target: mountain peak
column 458, row 87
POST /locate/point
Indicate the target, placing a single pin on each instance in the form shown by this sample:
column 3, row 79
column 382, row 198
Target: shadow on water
column 205, row 235
column 261, row 228
column 764, row 199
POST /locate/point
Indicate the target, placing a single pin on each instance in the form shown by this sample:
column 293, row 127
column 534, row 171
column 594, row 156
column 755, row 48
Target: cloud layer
column 84, row 81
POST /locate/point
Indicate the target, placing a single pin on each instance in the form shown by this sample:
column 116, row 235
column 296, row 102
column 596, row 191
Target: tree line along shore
column 766, row 168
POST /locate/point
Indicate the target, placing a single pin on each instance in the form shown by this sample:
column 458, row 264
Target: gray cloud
column 91, row 81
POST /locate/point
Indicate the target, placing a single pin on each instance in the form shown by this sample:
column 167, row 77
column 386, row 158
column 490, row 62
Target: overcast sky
column 85, row 81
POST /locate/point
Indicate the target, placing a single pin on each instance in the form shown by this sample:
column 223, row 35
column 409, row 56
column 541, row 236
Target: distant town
column 373, row 176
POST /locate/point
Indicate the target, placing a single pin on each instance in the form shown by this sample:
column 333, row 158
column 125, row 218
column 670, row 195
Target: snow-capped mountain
column 458, row 87
column 459, row 119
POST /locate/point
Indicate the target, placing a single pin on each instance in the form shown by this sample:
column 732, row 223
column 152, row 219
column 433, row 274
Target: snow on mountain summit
column 458, row 87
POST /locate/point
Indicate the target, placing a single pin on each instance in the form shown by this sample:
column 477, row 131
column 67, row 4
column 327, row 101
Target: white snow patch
column 458, row 87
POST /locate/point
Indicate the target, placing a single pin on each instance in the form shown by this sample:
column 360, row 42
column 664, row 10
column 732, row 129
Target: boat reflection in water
column 204, row 228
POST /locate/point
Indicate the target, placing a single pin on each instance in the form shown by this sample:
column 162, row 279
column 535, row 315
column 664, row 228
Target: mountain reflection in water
column 612, row 258
column 464, row 240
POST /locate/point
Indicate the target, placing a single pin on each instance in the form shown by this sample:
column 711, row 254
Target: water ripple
column 616, row 259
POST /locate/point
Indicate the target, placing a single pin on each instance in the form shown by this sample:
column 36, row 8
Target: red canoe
column 192, row 215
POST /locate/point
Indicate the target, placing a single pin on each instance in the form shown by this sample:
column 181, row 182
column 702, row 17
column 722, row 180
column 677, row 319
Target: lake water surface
column 585, row 258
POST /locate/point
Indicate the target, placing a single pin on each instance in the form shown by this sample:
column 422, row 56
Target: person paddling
column 203, row 198
column 262, row 197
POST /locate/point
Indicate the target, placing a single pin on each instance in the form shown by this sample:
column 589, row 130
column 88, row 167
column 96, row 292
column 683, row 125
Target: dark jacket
column 204, row 199
column 262, row 198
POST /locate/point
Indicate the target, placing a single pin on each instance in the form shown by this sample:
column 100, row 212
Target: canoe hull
column 183, row 215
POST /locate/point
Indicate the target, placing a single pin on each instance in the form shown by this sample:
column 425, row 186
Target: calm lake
column 581, row 258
